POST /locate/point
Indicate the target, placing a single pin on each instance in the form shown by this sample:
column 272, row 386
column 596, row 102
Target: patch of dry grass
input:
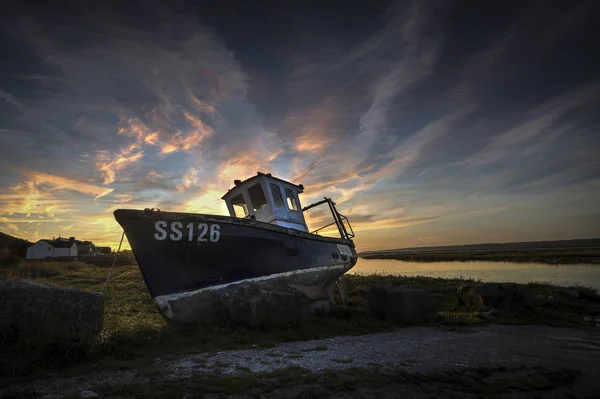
column 39, row 270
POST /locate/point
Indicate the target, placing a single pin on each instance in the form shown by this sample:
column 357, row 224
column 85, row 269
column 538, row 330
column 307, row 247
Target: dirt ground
column 418, row 354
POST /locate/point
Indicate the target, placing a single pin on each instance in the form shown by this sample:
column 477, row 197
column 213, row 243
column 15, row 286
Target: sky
column 427, row 122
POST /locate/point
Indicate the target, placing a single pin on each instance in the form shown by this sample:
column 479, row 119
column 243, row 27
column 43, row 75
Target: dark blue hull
column 184, row 252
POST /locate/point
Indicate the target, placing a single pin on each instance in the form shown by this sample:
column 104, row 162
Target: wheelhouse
column 271, row 200
column 267, row 199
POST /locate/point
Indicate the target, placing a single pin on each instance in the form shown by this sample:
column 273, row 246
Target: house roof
column 59, row 243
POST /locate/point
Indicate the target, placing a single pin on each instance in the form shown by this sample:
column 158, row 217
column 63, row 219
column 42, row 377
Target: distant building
column 103, row 250
column 52, row 248
column 85, row 248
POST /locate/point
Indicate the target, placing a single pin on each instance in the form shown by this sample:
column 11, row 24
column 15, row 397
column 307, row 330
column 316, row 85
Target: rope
column 118, row 250
column 114, row 261
column 106, row 281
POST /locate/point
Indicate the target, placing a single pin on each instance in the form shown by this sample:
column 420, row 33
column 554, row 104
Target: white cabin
column 267, row 199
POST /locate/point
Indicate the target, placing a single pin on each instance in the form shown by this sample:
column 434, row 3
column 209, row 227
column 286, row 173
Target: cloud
column 344, row 143
column 108, row 164
column 63, row 183
column 190, row 178
column 10, row 98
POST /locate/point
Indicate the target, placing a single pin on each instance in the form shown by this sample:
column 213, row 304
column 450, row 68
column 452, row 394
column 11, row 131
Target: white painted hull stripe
column 163, row 300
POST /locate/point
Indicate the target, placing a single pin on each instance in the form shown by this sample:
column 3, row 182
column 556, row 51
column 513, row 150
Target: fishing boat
column 265, row 238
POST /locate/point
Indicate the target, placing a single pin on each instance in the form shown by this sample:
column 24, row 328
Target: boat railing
column 341, row 221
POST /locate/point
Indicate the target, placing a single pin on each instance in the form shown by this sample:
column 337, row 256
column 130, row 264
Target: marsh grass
column 134, row 330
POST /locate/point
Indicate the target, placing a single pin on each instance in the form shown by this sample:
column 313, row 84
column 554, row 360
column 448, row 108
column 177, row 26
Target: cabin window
column 291, row 199
column 257, row 197
column 239, row 206
column 277, row 198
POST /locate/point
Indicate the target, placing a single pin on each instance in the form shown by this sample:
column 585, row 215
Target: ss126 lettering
column 177, row 231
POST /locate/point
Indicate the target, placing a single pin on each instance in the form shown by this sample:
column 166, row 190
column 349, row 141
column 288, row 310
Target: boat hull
column 182, row 255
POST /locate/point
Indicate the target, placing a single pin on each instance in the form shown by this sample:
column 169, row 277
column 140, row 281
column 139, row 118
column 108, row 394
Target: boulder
column 469, row 299
column 403, row 305
column 377, row 300
column 252, row 304
column 505, row 296
column 48, row 314
column 255, row 304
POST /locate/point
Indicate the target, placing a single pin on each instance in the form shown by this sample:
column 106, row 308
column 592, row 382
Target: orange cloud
column 61, row 183
column 180, row 143
column 312, row 140
column 167, row 149
column 318, row 220
column 151, row 139
column 208, row 200
column 202, row 106
column 242, row 166
column 109, row 164
column 137, row 129
column 152, row 177
column 190, row 178
column 34, row 201
column 200, row 126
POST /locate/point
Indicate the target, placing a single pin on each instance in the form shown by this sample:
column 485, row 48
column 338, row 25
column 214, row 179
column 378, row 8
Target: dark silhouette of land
column 560, row 251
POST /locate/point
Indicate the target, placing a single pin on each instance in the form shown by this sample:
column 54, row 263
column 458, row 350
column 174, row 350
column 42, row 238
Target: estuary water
column 487, row 271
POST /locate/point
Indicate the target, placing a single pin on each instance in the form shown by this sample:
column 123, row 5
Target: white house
column 52, row 248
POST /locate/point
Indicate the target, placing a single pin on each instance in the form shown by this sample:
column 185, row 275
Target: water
column 559, row 274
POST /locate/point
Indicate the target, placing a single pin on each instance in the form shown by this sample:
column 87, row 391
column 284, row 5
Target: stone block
column 30, row 310
column 403, row 305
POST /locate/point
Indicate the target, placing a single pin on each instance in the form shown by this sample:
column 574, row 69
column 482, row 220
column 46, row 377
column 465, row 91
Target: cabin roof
column 237, row 183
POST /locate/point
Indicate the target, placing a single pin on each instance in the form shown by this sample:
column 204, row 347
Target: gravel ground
column 419, row 350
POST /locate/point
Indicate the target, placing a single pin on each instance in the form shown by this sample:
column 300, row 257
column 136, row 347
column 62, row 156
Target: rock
column 251, row 304
column 469, row 299
column 377, row 300
column 404, row 305
column 88, row 395
column 255, row 304
column 43, row 312
column 505, row 296
column 568, row 292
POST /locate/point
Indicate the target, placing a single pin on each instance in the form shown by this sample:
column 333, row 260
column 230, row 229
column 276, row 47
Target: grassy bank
column 551, row 256
column 134, row 330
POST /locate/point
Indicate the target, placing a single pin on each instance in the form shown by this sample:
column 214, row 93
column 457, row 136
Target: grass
column 134, row 330
column 39, row 270
column 296, row 382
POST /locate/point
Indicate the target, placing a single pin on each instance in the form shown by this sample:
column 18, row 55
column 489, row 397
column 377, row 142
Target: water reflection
column 563, row 275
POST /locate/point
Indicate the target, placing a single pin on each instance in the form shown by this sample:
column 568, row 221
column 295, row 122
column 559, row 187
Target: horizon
column 383, row 249
column 429, row 124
